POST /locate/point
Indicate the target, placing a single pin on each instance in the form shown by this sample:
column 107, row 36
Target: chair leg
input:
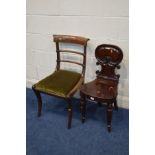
column 115, row 104
column 82, row 107
column 109, row 116
column 69, row 108
column 39, row 101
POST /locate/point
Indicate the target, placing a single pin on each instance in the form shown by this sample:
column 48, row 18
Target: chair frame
column 66, row 39
column 109, row 62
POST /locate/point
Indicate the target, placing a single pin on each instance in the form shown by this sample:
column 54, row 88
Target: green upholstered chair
column 63, row 83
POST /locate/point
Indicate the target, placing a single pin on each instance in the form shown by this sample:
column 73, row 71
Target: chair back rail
column 74, row 62
column 70, row 39
column 71, row 51
column 75, row 40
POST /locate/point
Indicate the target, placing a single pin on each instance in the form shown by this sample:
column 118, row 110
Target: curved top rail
column 70, row 39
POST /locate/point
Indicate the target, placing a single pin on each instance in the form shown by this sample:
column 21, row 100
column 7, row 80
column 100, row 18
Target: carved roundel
column 110, row 54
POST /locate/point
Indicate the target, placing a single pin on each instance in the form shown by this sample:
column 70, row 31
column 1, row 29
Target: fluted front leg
column 82, row 107
column 109, row 116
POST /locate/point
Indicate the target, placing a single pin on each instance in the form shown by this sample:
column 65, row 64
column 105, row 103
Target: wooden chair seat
column 59, row 83
column 99, row 90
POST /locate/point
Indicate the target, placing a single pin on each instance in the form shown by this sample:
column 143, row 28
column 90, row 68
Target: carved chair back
column 73, row 40
column 109, row 57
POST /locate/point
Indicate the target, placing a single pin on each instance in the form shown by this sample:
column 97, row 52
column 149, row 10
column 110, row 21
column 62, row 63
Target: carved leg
column 115, row 104
column 109, row 116
column 82, row 107
column 69, row 108
column 39, row 101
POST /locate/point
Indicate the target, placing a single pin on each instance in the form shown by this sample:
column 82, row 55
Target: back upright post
column 58, row 56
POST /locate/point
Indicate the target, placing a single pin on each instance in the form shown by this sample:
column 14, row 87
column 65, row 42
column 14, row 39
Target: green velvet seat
column 59, row 83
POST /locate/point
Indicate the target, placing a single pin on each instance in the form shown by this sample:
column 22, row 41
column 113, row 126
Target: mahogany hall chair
column 104, row 88
column 63, row 83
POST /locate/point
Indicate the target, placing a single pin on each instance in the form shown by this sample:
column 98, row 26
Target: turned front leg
column 109, row 116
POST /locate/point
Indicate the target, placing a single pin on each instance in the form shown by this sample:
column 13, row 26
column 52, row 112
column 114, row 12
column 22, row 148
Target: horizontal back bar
column 70, row 39
column 71, row 62
column 69, row 51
